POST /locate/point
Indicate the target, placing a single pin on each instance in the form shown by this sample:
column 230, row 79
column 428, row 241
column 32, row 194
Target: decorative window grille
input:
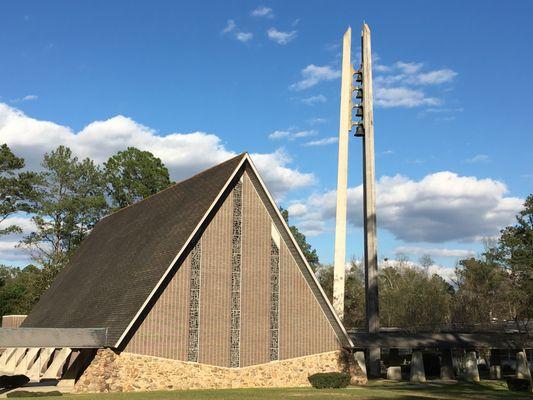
column 274, row 301
column 194, row 303
column 236, row 277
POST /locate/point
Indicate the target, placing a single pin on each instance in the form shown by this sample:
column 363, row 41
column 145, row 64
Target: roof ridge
column 241, row 155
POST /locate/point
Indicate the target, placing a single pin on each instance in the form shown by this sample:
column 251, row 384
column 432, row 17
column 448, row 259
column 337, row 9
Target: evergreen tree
column 133, row 175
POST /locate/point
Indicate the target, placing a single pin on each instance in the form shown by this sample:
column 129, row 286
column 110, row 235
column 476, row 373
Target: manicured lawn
column 486, row 390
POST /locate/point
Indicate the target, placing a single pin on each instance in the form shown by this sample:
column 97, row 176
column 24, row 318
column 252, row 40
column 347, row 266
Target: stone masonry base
column 127, row 372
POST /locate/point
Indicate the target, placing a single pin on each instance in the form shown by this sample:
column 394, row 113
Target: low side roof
column 126, row 255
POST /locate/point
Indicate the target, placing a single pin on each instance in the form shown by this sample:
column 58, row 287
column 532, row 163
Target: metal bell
column 359, row 94
column 359, row 131
column 359, row 112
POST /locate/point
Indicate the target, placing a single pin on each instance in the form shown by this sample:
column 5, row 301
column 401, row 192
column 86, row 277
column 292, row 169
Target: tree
column 16, row 188
column 309, row 253
column 515, row 254
column 70, row 201
column 18, row 289
column 354, row 299
column 413, row 300
column 133, row 175
column 482, row 289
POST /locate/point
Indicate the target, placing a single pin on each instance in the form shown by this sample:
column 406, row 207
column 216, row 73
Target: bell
column 359, row 131
column 359, row 112
column 359, row 77
column 359, row 94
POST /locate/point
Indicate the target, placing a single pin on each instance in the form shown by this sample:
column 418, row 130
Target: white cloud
column 478, row 158
column 264, row 12
column 402, row 97
column 291, row 134
column 281, row 37
column 435, row 77
column 438, row 208
column 183, row 153
column 387, row 152
column 230, row 26
column 29, row 97
column 316, row 121
column 279, row 134
column 312, row 100
column 303, row 134
column 279, row 177
column 400, row 84
column 314, row 74
column 408, row 68
column 244, row 36
column 323, row 142
column 434, row 252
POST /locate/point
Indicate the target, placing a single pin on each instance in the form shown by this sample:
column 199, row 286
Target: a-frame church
column 200, row 285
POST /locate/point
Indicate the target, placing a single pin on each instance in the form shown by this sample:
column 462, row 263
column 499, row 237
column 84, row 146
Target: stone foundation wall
column 127, row 372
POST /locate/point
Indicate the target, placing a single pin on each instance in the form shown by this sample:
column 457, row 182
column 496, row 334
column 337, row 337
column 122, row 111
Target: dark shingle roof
column 119, row 264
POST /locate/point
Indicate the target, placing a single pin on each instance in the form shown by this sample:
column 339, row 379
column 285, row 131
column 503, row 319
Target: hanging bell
column 358, row 76
column 359, row 94
column 359, row 131
column 359, row 112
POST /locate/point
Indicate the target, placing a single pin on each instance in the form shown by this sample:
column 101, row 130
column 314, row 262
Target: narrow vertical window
column 274, row 300
column 236, row 251
column 194, row 303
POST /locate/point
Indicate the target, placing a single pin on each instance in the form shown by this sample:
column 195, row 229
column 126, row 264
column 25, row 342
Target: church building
column 201, row 285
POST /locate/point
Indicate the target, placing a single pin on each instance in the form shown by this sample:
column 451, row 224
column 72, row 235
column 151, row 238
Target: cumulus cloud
column 264, row 12
column 434, row 251
column 183, row 153
column 279, row 177
column 323, row 142
column 438, row 208
column 314, row 74
column 312, row 100
column 281, row 37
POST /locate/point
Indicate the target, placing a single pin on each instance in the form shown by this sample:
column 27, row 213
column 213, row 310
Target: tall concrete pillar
column 446, row 365
column 471, row 370
column 418, row 373
column 495, row 371
column 369, row 202
column 342, row 177
column 522, row 367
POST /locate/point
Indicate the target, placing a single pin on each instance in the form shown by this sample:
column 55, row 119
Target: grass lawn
column 486, row 390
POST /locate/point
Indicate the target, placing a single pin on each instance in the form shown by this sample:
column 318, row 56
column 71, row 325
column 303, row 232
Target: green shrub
column 25, row 393
column 329, row 380
column 518, row 385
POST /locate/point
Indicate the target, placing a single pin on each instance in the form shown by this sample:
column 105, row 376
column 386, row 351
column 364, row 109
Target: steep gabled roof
column 127, row 254
column 124, row 261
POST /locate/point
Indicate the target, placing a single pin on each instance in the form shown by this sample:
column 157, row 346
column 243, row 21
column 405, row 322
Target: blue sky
column 453, row 116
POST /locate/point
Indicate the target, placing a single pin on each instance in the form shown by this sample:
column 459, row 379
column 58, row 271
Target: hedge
column 329, row 380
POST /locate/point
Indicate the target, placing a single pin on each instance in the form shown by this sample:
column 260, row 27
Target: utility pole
column 364, row 128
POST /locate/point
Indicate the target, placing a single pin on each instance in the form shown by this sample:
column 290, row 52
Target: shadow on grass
column 490, row 390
